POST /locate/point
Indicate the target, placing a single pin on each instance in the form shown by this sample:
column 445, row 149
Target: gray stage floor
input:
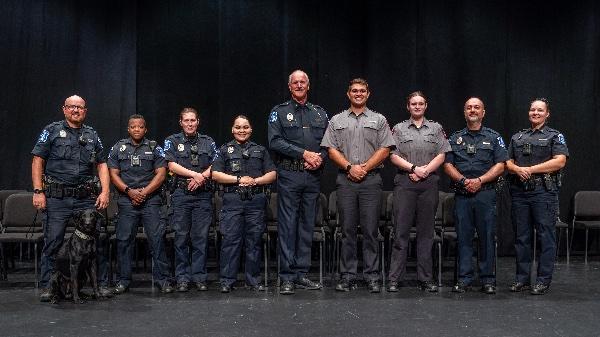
column 572, row 308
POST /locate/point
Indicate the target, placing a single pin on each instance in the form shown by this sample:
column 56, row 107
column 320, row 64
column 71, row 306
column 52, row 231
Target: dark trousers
column 192, row 216
column 415, row 203
column 476, row 212
column 359, row 204
column 534, row 209
column 242, row 222
column 297, row 195
column 56, row 214
column 126, row 230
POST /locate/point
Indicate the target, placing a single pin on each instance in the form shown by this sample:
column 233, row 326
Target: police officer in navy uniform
column 137, row 169
column 246, row 171
column 358, row 141
column 477, row 159
column 63, row 182
column 537, row 156
column 189, row 156
column 295, row 130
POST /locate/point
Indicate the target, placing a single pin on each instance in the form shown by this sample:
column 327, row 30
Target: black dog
column 76, row 259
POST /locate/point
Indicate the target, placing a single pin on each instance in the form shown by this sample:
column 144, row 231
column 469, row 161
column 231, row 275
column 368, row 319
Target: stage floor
column 571, row 308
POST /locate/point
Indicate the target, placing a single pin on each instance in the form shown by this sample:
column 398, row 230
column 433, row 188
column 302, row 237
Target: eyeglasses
column 73, row 107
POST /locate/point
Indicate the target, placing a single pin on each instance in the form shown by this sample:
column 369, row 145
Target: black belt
column 253, row 189
column 183, row 184
column 484, row 187
column 292, row 164
column 56, row 190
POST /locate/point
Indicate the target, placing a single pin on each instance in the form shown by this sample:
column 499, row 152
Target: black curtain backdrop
column 233, row 57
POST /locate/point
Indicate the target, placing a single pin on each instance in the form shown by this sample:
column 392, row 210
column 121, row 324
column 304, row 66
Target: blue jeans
column 129, row 218
column 192, row 216
column 54, row 220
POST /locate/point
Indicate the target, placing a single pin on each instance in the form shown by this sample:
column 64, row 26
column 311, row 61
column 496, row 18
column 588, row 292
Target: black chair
column 586, row 214
column 336, row 229
column 3, row 195
column 22, row 224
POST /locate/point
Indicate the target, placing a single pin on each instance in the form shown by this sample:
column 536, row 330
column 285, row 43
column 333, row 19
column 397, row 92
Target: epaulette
column 492, row 131
column 281, row 104
column 314, row 106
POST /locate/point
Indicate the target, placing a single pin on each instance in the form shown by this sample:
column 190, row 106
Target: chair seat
column 22, row 230
column 21, row 237
column 587, row 224
column 560, row 224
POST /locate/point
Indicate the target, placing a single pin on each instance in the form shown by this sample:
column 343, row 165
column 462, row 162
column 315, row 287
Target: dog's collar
column 82, row 235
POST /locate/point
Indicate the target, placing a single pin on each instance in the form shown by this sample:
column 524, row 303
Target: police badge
column 123, row 147
column 180, row 147
column 459, row 140
column 230, row 149
column 62, row 133
column 290, row 117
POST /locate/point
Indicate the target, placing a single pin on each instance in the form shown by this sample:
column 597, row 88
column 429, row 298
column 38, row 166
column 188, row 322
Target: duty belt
column 183, row 184
column 292, row 164
column 370, row 173
column 253, row 189
column 57, row 190
column 550, row 181
column 462, row 191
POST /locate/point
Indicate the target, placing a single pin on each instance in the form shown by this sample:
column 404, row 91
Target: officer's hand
column 523, row 172
column 357, row 172
column 39, row 201
column 102, row 201
column 313, row 158
column 413, row 177
column 136, row 196
column 247, row 181
column 472, row 185
column 421, row 172
column 199, row 178
column 192, row 185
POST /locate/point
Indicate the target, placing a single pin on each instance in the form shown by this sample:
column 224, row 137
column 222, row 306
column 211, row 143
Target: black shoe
column 120, row 289
column 305, row 283
column 540, row 289
column 166, row 288
column 45, row 295
column 517, row 287
column 182, row 287
column 461, row 287
column 393, row 287
column 105, row 292
column 256, row 287
column 428, row 286
column 374, row 286
column 287, row 288
column 201, row 286
column 488, row 288
column 225, row 288
column 344, row 285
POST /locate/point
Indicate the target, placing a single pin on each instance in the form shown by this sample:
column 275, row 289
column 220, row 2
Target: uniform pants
column 192, row 216
column 126, row 230
column 56, row 214
column 297, row 195
column 415, row 204
column 359, row 205
column 476, row 212
column 242, row 222
column 534, row 209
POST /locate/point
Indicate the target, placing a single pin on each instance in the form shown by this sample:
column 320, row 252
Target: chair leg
column 3, row 264
column 265, row 258
column 568, row 248
column 586, row 244
column 382, row 255
column 439, row 264
column 35, row 266
column 321, row 262
column 152, row 267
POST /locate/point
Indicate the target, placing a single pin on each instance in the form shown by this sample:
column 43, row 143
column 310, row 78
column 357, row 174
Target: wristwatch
column 127, row 189
column 412, row 168
column 238, row 179
column 348, row 167
column 38, row 191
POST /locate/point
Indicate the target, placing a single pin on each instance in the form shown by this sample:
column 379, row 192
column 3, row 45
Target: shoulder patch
column 43, row 136
column 168, row 145
column 561, row 139
column 273, row 117
column 501, row 142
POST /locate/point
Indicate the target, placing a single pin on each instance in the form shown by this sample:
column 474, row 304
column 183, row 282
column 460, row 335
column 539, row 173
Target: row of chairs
column 21, row 223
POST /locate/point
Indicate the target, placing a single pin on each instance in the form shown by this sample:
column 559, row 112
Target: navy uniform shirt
column 70, row 154
column 194, row 153
column 249, row 159
column 295, row 127
column 544, row 143
column 419, row 145
column 488, row 146
column 136, row 164
column 358, row 137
